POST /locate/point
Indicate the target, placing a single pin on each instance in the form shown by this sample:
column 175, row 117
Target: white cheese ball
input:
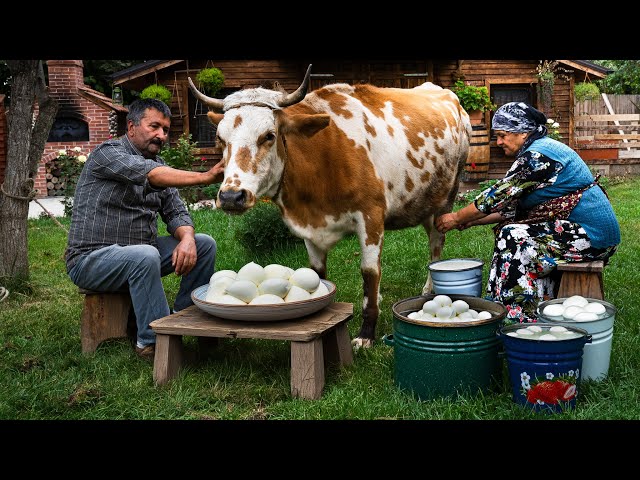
column 266, row 299
column 297, row 294
column 577, row 300
column 430, row 307
column 558, row 329
column 443, row 300
column 245, row 290
column 445, row 312
column 321, row 291
column 524, row 331
column 227, row 299
column 548, row 336
column 535, row 328
column 305, row 278
column 219, row 286
column 223, row 273
column 275, row 286
column 275, row 270
column 252, row 272
column 585, row 317
column 474, row 313
column 595, row 307
column 484, row 315
column 460, row 306
column 571, row 311
column 553, row 310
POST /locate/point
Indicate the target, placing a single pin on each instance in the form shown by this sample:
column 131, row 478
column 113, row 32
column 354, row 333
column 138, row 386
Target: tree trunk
column 25, row 145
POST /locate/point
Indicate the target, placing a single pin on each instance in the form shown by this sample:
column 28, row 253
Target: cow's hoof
column 358, row 343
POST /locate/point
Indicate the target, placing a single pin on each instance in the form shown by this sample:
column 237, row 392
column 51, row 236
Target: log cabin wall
column 505, row 78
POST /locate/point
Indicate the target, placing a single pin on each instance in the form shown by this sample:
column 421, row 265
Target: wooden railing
column 620, row 131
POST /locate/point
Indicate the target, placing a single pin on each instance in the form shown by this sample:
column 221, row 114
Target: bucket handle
column 387, row 339
column 589, row 338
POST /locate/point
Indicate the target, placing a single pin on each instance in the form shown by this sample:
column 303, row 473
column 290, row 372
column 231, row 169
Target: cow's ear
column 215, row 118
column 307, row 125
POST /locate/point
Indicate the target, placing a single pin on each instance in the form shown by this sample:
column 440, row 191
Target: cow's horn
column 215, row 103
column 299, row 94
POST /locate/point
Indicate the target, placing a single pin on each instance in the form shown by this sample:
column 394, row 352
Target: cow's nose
column 232, row 199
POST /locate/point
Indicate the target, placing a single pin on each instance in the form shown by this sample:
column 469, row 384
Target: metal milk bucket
column 544, row 374
column 597, row 354
column 458, row 276
column 433, row 359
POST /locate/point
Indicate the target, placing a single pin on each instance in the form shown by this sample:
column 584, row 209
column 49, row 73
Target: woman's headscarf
column 519, row 117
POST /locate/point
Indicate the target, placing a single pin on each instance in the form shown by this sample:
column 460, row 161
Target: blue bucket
column 457, row 276
column 544, row 374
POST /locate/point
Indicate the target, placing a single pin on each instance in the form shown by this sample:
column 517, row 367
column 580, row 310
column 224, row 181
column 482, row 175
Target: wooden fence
column 609, row 122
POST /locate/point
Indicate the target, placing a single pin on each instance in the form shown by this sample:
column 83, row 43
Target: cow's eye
column 269, row 137
column 219, row 142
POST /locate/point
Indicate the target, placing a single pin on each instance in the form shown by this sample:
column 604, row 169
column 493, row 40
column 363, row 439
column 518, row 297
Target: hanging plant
column 547, row 71
column 211, row 80
column 159, row 92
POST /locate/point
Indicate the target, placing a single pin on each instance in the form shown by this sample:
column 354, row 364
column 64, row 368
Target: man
column 113, row 240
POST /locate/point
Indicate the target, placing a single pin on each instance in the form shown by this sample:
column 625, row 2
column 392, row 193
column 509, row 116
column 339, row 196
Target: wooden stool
column 316, row 339
column 105, row 315
column 581, row 278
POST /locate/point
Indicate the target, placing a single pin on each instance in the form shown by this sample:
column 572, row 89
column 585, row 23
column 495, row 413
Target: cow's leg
column 371, row 273
column 436, row 244
column 317, row 259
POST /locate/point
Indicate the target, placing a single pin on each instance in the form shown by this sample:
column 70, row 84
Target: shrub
column 159, row 92
column 262, row 228
column 586, row 91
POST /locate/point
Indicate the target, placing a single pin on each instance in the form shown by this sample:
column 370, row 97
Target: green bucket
column 434, row 359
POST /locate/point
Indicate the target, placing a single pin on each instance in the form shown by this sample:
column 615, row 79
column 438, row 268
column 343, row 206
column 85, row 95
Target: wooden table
column 317, row 339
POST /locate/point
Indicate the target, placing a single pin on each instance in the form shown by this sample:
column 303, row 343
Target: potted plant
column 160, row 92
column 211, row 80
column 475, row 100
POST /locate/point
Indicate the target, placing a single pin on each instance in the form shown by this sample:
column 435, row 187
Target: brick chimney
column 65, row 76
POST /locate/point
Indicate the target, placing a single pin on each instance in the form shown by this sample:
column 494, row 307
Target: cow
column 344, row 159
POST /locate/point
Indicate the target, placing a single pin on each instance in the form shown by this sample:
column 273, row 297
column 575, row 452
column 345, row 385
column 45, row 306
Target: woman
column 549, row 210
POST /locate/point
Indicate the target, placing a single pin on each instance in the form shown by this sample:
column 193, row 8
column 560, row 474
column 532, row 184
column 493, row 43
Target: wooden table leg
column 307, row 369
column 168, row 358
column 337, row 346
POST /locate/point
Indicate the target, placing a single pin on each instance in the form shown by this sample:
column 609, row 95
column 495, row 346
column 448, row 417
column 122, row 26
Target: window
column 202, row 130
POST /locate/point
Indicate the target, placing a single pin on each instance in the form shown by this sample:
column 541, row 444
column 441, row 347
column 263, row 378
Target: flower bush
column 553, row 129
column 183, row 156
column 70, row 162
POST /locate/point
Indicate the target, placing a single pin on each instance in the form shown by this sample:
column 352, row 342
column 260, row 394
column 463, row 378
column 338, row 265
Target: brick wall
column 3, row 139
column 65, row 76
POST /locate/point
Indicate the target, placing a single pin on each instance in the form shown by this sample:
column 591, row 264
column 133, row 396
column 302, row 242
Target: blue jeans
column 139, row 269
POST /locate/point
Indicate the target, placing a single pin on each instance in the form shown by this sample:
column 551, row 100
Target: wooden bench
column 317, row 339
column 105, row 315
column 581, row 278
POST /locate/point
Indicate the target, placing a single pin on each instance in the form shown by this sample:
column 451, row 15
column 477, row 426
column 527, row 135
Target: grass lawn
column 45, row 376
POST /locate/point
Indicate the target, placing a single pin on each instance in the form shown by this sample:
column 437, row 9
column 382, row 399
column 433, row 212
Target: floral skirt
column 524, row 259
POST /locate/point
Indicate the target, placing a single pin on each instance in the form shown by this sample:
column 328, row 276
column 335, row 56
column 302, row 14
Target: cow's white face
column 253, row 168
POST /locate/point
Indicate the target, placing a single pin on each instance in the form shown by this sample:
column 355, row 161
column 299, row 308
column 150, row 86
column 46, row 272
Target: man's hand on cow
column 216, row 172
column 446, row 222
column 184, row 256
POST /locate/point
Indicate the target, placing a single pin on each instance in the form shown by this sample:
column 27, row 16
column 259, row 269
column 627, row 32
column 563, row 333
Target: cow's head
column 252, row 131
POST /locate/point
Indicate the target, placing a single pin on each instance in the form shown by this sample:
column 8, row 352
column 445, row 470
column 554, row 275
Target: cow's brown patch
column 237, row 121
column 243, row 159
column 408, row 183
